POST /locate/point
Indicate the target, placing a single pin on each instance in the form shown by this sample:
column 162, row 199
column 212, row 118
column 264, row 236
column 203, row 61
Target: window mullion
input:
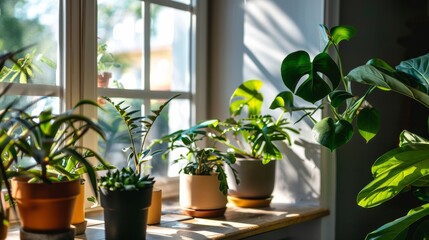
column 146, row 51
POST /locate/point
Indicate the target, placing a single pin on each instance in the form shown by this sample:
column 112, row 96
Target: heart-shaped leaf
column 297, row 65
column 339, row 96
column 368, row 123
column 332, row 134
column 283, row 100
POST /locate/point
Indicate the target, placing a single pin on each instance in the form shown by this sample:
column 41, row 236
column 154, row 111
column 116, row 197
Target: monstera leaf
column 410, row 78
column 247, row 94
column 297, row 65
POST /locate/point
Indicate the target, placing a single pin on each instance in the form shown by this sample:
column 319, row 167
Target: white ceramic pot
column 256, row 179
column 201, row 192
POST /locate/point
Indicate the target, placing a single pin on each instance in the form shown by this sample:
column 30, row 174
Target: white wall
column 249, row 40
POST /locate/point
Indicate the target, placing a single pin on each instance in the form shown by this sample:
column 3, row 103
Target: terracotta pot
column 79, row 207
column 155, row 209
column 125, row 213
column 256, row 180
column 45, row 207
column 201, row 192
column 103, row 79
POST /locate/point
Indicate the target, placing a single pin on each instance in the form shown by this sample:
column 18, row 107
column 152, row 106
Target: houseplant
column 203, row 171
column 105, row 62
column 403, row 169
column 7, row 153
column 253, row 139
column 43, row 142
column 320, row 86
column 129, row 184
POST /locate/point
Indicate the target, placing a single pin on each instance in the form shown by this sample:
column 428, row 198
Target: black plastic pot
column 125, row 213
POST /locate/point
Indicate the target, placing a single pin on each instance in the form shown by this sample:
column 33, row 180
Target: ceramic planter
column 125, row 213
column 200, row 196
column 78, row 217
column 256, row 182
column 155, row 209
column 45, row 207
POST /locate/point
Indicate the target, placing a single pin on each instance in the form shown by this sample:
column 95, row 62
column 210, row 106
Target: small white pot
column 201, row 192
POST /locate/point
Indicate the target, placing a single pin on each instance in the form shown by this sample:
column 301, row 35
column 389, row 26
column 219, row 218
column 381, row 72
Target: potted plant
column 203, row 183
column 129, row 185
column 7, row 151
column 105, row 62
column 42, row 188
column 253, row 139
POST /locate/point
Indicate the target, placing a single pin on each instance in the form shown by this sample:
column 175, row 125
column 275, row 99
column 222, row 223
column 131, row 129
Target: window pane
column 184, row 1
column 27, row 22
column 120, row 40
column 39, row 103
column 167, row 123
column 169, row 49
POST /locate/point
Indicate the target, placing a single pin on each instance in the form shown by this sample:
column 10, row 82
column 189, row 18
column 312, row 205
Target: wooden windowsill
column 236, row 224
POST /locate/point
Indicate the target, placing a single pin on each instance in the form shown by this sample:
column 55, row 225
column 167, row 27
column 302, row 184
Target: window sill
column 236, row 224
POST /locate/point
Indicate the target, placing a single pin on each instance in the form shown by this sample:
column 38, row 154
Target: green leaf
column 337, row 97
column 368, row 123
column 418, row 68
column 386, row 80
column 340, row 33
column 283, row 100
column 332, row 134
column 297, row 65
column 407, row 137
column 393, row 171
column 247, row 94
column 397, row 229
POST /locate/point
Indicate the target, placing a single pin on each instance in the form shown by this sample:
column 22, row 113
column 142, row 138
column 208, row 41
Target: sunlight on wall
column 273, row 29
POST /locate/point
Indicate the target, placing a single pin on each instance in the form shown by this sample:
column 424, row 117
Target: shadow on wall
column 298, row 178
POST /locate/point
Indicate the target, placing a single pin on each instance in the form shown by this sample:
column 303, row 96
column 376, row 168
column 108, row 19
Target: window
column 148, row 49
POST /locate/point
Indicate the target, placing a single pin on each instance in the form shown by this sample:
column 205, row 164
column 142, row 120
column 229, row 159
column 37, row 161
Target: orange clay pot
column 45, row 207
column 79, row 207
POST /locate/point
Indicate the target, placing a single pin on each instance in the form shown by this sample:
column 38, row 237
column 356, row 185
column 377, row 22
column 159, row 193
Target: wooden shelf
column 236, row 224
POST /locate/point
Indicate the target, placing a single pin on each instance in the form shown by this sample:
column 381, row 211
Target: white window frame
column 78, row 70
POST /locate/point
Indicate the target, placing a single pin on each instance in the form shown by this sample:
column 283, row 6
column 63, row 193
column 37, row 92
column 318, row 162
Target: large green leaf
column 297, row 65
column 368, row 123
column 247, row 94
column 398, row 229
column 393, row 171
column 418, row 68
column 332, row 134
column 388, row 80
